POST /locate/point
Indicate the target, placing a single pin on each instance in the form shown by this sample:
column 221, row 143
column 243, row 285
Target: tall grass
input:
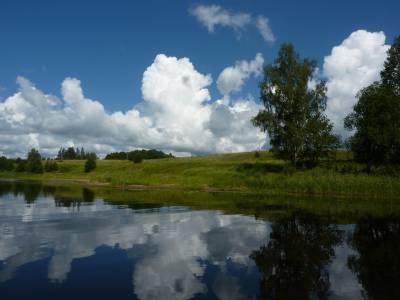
column 260, row 173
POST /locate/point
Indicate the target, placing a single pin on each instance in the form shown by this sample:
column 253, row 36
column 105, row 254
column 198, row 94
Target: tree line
column 71, row 153
column 137, row 156
column 299, row 130
column 35, row 163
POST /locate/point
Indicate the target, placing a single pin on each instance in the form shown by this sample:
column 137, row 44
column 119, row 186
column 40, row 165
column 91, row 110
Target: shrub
column 137, row 159
column 20, row 165
column 6, row 164
column 90, row 164
column 50, row 166
column 34, row 162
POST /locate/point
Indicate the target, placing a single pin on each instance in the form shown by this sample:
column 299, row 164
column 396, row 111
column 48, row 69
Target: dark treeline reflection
column 377, row 262
column 87, row 195
column 31, row 191
column 294, row 263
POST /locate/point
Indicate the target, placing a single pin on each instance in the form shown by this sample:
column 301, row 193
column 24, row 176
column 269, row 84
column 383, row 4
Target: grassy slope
column 224, row 172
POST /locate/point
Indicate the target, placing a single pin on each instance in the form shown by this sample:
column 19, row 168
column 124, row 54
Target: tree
column 137, row 159
column 60, row 154
column 391, row 72
column 293, row 263
column 138, row 155
column 117, row 155
column 50, row 166
column 376, row 261
column 294, row 112
column 90, row 164
column 70, row 153
column 6, row 164
column 375, row 117
column 34, row 162
column 83, row 155
column 20, row 165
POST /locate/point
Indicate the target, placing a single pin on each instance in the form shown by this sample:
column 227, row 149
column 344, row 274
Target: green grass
column 230, row 172
column 336, row 210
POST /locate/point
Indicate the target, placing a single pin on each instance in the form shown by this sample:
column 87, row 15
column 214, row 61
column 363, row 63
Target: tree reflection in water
column 293, row 264
column 377, row 265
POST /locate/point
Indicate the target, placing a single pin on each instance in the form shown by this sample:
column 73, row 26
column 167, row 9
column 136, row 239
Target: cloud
column 262, row 24
column 176, row 115
column 232, row 78
column 231, row 126
column 169, row 248
column 211, row 16
column 351, row 66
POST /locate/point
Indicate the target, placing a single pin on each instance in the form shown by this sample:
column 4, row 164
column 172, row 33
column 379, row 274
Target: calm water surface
column 56, row 244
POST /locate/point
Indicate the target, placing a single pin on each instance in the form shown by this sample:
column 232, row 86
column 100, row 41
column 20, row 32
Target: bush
column 144, row 154
column 90, row 164
column 137, row 159
column 257, row 154
column 6, row 164
column 20, row 165
column 34, row 162
column 50, row 166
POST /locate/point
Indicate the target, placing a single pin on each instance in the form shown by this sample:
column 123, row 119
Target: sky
column 181, row 76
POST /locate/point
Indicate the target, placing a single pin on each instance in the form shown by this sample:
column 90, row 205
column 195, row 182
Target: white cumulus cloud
column 211, row 16
column 176, row 115
column 232, row 78
column 351, row 66
column 262, row 24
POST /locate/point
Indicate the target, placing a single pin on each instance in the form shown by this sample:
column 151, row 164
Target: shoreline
column 85, row 183
column 230, row 173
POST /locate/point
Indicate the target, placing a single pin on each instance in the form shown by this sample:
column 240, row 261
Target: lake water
column 74, row 243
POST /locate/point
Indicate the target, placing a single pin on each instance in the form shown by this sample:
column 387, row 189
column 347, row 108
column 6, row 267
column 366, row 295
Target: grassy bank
column 337, row 210
column 230, row 172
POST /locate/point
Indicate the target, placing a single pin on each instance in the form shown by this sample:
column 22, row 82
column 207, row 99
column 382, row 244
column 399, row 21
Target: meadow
column 254, row 172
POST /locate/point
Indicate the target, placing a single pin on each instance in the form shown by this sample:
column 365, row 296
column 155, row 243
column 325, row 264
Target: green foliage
column 137, row 159
column 391, row 73
column 376, row 121
column 90, row 164
column 117, row 156
column 294, row 113
column 50, row 166
column 34, row 162
column 20, row 165
column 73, row 154
column 138, row 156
column 375, row 117
column 6, row 164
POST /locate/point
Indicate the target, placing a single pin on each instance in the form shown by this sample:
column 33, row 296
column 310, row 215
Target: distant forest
column 71, row 153
column 137, row 155
column 35, row 163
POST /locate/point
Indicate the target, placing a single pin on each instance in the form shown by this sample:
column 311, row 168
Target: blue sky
column 108, row 45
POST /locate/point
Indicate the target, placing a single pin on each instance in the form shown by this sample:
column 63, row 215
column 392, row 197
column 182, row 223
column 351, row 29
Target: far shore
column 241, row 172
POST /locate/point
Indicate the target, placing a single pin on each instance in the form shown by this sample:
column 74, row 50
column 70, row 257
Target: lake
column 64, row 242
